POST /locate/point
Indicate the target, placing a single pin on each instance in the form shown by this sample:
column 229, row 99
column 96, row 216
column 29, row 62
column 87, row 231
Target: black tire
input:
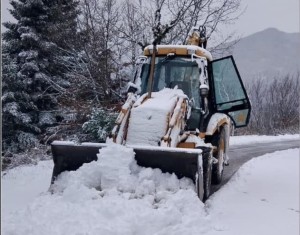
column 219, row 141
column 207, row 177
column 204, row 183
column 200, row 185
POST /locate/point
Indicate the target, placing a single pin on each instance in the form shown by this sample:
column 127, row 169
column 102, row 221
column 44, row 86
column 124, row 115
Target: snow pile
column 22, row 184
column 253, row 139
column 148, row 122
column 112, row 196
column 117, row 171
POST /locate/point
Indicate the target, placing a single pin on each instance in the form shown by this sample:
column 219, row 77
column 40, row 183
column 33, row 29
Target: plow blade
column 182, row 162
column 68, row 156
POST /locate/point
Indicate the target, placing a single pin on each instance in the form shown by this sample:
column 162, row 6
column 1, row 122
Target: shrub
column 100, row 124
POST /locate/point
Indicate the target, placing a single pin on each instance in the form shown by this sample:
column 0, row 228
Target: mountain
column 268, row 53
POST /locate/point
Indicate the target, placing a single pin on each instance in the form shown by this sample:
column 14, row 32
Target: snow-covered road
column 261, row 198
column 239, row 152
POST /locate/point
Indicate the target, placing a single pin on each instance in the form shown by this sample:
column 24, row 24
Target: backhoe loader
column 177, row 116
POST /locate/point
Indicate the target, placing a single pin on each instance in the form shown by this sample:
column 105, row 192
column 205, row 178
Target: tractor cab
column 174, row 71
column 212, row 86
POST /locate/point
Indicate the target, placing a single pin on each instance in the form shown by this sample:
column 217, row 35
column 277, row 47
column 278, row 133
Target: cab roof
column 181, row 50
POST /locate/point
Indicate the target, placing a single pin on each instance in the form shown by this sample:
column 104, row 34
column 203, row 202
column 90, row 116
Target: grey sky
column 259, row 15
column 262, row 14
column 5, row 15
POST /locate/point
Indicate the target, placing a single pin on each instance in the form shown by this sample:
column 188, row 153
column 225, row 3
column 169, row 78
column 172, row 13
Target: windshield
column 173, row 71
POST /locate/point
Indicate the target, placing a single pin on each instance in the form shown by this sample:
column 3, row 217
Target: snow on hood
column 148, row 121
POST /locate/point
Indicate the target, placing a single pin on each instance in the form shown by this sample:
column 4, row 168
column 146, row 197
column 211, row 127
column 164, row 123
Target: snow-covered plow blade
column 68, row 156
column 182, row 162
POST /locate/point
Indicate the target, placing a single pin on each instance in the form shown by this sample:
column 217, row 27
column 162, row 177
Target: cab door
column 228, row 91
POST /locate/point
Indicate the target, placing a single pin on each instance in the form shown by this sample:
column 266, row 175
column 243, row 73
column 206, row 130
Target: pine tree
column 32, row 77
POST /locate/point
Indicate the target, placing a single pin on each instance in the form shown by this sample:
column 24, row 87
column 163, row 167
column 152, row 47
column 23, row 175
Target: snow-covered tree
column 32, row 77
column 170, row 21
column 96, row 67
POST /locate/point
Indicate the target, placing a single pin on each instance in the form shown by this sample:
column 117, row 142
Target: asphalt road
column 240, row 154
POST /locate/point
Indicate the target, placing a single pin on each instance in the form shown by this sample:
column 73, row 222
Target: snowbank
column 115, row 196
column 262, row 198
column 253, row 139
column 21, row 185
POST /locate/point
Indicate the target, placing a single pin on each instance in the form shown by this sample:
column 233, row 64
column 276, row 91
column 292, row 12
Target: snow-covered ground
column 115, row 196
column 253, row 139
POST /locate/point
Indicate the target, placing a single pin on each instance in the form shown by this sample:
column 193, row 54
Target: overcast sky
column 259, row 15
column 262, row 14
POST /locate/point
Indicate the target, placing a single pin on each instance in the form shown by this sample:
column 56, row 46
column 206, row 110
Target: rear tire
column 220, row 142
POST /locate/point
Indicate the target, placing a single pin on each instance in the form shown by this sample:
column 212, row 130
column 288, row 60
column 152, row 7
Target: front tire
column 220, row 142
column 203, row 182
column 207, row 173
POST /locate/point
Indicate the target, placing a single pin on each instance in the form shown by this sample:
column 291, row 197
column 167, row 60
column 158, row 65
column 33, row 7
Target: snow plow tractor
column 177, row 117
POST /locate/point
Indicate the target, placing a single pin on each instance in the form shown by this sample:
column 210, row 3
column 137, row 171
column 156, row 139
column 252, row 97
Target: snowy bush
column 11, row 108
column 275, row 105
column 100, row 124
column 29, row 157
column 27, row 140
column 8, row 96
column 28, row 55
column 46, row 118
